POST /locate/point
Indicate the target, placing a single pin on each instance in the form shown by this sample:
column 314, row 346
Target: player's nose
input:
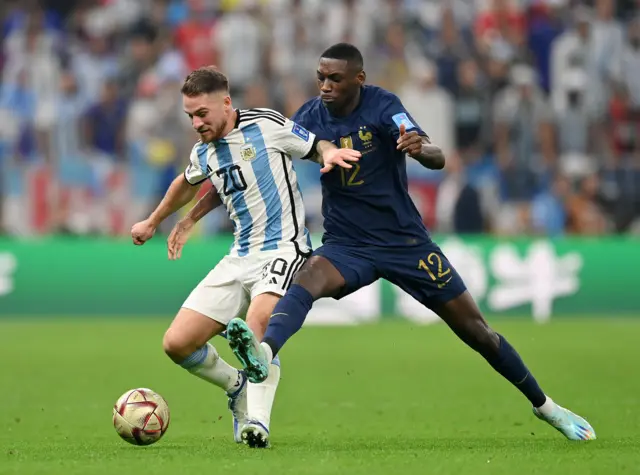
column 196, row 123
column 325, row 86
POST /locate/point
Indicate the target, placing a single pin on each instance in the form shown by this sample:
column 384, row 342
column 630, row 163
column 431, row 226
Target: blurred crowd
column 535, row 102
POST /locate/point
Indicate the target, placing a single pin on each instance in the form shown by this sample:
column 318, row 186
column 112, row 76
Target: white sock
column 205, row 363
column 260, row 396
column 268, row 352
column 547, row 408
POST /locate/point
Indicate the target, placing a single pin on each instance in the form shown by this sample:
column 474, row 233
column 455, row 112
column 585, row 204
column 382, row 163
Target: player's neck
column 349, row 107
column 231, row 123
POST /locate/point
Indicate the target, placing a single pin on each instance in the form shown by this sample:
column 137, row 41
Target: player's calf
column 465, row 319
column 186, row 343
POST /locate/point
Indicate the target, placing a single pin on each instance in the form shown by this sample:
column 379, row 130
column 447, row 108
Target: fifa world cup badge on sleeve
column 402, row 118
column 300, row 132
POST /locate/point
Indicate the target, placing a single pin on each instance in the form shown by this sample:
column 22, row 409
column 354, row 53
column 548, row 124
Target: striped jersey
column 252, row 171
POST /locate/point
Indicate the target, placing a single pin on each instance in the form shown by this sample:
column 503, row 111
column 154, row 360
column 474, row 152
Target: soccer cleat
column 572, row 426
column 255, row 435
column 238, row 407
column 248, row 350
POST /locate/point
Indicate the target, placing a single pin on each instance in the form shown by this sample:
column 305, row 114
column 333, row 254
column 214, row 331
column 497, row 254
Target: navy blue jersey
column 369, row 203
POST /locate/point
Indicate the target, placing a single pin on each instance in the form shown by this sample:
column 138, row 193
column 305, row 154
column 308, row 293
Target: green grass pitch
column 393, row 398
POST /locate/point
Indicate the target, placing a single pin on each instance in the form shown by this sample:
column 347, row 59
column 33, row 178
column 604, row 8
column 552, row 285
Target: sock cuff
column 197, row 357
column 276, row 361
column 301, row 293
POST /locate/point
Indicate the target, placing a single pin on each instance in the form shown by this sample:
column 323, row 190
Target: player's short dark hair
column 205, row 80
column 346, row 52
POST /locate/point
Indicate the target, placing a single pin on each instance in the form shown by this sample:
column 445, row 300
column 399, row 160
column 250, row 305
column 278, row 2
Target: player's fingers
column 171, row 245
column 403, row 129
column 327, row 168
column 351, row 158
column 179, row 251
column 348, row 152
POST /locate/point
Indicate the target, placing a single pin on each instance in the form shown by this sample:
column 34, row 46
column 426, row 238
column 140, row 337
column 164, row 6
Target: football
column 141, row 416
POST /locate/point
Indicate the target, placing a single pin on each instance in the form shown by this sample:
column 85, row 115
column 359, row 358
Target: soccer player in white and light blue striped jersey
column 247, row 155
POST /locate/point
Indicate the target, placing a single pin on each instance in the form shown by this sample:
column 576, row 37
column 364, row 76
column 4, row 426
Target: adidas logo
column 273, row 280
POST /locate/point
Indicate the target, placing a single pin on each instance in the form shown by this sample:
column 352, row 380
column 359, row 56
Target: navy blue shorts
column 422, row 271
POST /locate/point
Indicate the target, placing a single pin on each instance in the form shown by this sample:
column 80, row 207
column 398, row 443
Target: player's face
column 338, row 83
column 209, row 114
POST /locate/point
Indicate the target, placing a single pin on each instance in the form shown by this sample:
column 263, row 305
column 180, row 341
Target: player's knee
column 319, row 277
column 177, row 347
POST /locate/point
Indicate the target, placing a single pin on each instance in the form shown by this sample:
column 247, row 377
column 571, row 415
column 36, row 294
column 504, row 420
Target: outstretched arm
column 328, row 155
column 209, row 201
column 419, row 147
column 180, row 193
column 182, row 230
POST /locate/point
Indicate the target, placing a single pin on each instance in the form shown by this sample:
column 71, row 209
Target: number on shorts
column 279, row 266
column 434, row 259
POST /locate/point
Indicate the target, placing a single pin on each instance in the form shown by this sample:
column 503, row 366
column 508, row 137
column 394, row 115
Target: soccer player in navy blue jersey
column 373, row 230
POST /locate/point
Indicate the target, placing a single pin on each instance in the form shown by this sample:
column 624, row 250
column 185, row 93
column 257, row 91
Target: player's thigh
column 189, row 331
column 220, row 296
column 425, row 273
column 336, row 271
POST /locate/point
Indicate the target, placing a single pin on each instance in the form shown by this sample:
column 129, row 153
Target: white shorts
column 227, row 290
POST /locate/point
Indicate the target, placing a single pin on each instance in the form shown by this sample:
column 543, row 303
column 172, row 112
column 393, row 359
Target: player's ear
column 361, row 77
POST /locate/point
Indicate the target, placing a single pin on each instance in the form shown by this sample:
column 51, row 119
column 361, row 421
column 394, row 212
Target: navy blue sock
column 509, row 364
column 288, row 317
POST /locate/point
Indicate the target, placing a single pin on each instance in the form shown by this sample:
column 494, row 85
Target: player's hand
column 178, row 238
column 141, row 232
column 340, row 157
column 409, row 142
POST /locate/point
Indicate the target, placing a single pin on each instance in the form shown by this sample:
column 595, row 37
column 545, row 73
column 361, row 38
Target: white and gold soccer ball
column 141, row 416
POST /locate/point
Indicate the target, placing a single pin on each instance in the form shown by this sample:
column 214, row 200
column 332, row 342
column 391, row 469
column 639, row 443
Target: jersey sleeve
column 198, row 169
column 294, row 140
column 394, row 114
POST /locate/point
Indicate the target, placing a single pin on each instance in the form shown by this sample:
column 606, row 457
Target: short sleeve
column 394, row 115
column 293, row 139
column 198, row 169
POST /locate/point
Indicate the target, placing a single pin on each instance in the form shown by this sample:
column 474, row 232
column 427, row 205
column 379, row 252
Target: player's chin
column 206, row 137
column 330, row 103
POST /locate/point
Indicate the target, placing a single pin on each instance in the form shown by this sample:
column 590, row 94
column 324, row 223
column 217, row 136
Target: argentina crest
column 248, row 152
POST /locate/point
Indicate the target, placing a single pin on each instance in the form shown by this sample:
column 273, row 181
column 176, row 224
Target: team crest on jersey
column 403, row 118
column 366, row 136
column 300, row 132
column 247, row 152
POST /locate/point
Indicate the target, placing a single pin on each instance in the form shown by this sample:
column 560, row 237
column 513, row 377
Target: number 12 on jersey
column 348, row 176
